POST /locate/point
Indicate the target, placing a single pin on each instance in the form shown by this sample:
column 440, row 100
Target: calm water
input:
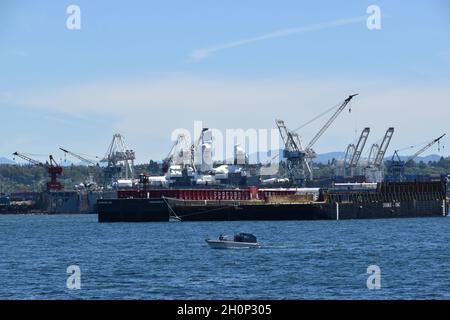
column 302, row 260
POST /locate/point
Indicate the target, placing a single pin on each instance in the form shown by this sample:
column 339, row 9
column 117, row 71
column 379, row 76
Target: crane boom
column 283, row 132
column 77, row 156
column 330, row 121
column 290, row 139
column 53, row 162
column 373, row 151
column 429, row 145
column 168, row 159
column 383, row 147
column 359, row 147
column 52, row 167
column 30, row 160
column 349, row 152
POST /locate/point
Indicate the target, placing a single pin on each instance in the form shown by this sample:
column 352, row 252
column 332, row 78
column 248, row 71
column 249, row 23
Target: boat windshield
column 226, row 238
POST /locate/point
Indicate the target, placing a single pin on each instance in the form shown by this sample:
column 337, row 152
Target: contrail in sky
column 204, row 53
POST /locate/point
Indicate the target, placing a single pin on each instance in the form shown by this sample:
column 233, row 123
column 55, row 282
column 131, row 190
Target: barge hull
column 146, row 210
column 132, row 210
column 251, row 212
column 404, row 209
column 312, row 211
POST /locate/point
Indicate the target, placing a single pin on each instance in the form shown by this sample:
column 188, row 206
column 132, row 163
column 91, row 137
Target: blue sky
column 130, row 70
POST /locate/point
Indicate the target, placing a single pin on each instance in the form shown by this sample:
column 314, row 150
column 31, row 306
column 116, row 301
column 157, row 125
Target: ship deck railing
column 236, row 203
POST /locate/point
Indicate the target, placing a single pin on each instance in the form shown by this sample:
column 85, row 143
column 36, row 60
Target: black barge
column 342, row 201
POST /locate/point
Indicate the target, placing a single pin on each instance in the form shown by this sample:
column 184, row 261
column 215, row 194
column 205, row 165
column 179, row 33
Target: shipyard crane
column 194, row 149
column 358, row 149
column 397, row 166
column 79, row 157
column 374, row 170
column 353, row 153
column 120, row 161
column 179, row 152
column 168, row 159
column 373, row 151
column 294, row 153
column 53, row 168
column 378, row 161
column 349, row 154
column 299, row 159
column 346, row 162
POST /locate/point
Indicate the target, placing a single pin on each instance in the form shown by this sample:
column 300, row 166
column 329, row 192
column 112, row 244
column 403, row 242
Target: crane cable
column 419, row 145
column 312, row 120
column 317, row 117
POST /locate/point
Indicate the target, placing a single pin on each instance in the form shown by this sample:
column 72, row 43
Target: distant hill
column 324, row 158
column 329, row 156
column 4, row 160
column 66, row 163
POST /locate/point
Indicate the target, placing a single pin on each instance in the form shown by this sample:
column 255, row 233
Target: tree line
column 15, row 178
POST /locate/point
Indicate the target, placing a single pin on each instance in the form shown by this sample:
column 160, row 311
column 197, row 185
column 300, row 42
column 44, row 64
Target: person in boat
column 221, row 238
column 245, row 237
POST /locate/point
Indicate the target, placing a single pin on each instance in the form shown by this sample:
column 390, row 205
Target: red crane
column 53, row 168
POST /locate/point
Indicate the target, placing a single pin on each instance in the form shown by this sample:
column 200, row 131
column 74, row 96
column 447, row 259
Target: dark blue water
column 302, row 260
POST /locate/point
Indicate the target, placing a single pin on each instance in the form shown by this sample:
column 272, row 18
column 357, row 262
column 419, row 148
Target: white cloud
column 204, row 53
column 147, row 111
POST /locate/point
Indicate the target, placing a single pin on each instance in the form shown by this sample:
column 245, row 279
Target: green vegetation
column 433, row 167
column 34, row 178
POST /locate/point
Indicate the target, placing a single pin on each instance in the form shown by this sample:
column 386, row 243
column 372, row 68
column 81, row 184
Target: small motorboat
column 239, row 240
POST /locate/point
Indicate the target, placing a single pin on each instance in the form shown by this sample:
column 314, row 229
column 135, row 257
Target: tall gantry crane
column 197, row 151
column 397, row 166
column 375, row 165
column 383, row 147
column 373, row 152
column 53, row 168
column 343, row 168
column 294, row 153
column 353, row 153
column 179, row 154
column 299, row 159
column 120, row 161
